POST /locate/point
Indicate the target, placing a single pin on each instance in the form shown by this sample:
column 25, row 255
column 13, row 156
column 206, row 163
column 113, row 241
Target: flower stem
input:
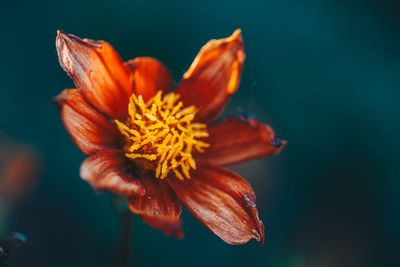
column 124, row 240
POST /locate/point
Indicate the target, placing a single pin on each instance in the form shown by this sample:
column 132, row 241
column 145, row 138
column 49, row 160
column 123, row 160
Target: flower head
column 160, row 148
column 160, row 134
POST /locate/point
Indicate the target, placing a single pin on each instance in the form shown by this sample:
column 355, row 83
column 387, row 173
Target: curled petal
column 159, row 207
column 223, row 202
column 213, row 76
column 150, row 76
column 109, row 170
column 234, row 140
column 89, row 129
column 96, row 68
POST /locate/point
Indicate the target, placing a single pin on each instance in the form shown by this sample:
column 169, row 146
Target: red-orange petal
column 213, row 76
column 223, row 202
column 235, row 140
column 150, row 76
column 110, row 170
column 167, row 226
column 89, row 129
column 159, row 207
column 96, row 68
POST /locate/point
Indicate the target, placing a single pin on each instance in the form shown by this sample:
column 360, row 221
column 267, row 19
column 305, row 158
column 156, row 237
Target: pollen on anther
column 161, row 131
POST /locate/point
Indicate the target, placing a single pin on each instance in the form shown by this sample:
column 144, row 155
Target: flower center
column 160, row 135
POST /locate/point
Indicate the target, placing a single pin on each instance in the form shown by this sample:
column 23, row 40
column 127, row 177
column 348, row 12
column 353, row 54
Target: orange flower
column 158, row 147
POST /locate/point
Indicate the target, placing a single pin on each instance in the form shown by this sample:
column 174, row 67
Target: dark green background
column 323, row 74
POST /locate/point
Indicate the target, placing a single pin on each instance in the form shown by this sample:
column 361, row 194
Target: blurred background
column 323, row 74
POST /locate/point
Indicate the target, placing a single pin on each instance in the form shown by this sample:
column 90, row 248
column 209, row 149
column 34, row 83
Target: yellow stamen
column 162, row 133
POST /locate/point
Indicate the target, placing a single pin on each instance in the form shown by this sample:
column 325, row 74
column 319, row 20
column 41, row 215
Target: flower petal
column 89, row 129
column 223, row 202
column 96, row 68
column 159, row 207
column 109, row 170
column 234, row 140
column 168, row 227
column 213, row 76
column 150, row 76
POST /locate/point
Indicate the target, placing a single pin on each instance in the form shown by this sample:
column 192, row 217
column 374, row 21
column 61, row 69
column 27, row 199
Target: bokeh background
column 323, row 74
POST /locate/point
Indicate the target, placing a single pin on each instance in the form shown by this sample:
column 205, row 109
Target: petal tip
column 279, row 144
column 65, row 39
column 236, row 35
column 59, row 32
column 179, row 234
column 261, row 237
column 73, row 42
column 61, row 38
column 63, row 46
column 57, row 100
column 63, row 96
